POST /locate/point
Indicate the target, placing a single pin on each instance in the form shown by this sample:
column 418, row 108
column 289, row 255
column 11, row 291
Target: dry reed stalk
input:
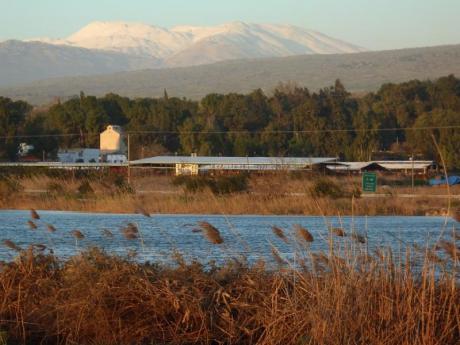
column 34, row 214
column 51, row 228
column 211, row 233
column 358, row 238
column 303, row 233
column 77, row 234
column 10, row 244
column 32, row 225
column 456, row 234
column 277, row 256
column 107, row 233
column 339, row 232
column 450, row 248
column 279, row 233
column 456, row 215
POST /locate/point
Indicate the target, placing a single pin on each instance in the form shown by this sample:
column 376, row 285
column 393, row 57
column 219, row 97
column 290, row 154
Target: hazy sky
column 374, row 24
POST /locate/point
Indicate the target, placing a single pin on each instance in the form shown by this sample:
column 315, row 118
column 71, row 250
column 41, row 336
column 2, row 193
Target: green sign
column 369, row 182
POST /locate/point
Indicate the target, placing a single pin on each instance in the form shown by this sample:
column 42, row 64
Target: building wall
column 111, row 140
column 186, row 169
column 79, row 155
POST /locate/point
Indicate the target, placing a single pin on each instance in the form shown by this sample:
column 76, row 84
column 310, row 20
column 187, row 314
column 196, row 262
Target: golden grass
column 333, row 298
column 282, row 195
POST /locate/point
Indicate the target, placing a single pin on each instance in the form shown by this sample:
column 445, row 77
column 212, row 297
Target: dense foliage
column 291, row 122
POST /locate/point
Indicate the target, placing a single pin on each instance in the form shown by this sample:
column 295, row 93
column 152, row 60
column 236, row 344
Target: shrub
column 217, row 184
column 85, row 189
column 327, row 188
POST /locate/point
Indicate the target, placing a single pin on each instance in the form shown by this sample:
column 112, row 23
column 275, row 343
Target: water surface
column 247, row 235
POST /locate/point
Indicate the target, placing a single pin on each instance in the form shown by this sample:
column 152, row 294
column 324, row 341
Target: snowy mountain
column 192, row 45
column 108, row 47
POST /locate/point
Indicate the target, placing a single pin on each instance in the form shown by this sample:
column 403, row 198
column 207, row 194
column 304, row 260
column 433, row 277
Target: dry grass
column 95, row 298
column 278, row 194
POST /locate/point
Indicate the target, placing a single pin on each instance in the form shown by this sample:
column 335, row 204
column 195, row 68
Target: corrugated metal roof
column 266, row 167
column 405, row 165
column 388, row 165
column 353, row 166
column 207, row 160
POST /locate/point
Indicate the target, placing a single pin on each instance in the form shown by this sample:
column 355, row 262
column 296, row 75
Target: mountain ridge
column 360, row 72
column 265, row 40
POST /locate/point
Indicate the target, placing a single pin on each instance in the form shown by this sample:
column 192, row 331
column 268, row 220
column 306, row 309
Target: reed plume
column 211, row 233
column 279, row 233
column 34, row 214
column 130, row 232
column 10, row 244
column 339, row 232
column 77, row 234
column 141, row 210
column 303, row 233
column 40, row 247
column 277, row 256
column 51, row 228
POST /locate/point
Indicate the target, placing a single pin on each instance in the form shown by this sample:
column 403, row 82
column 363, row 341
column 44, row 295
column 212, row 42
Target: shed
column 192, row 165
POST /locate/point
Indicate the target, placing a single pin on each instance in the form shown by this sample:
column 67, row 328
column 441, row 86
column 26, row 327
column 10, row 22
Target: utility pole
column 412, row 172
column 129, row 160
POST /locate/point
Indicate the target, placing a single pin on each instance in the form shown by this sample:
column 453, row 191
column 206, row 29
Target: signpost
column 369, row 182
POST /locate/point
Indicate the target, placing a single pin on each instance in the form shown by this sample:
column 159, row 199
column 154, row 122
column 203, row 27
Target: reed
column 50, row 228
column 11, row 245
column 279, row 233
column 211, row 233
column 303, row 234
column 339, row 232
column 77, row 234
column 32, row 225
column 34, row 214
column 334, row 298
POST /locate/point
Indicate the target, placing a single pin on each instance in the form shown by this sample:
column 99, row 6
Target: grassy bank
column 347, row 295
column 270, row 194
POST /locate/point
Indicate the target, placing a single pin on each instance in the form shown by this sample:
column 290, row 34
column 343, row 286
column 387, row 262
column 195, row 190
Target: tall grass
column 345, row 296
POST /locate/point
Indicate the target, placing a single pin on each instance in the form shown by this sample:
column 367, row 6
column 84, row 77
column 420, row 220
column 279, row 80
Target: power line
column 312, row 131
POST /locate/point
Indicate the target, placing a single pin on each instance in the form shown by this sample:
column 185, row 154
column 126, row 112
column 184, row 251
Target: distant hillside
column 359, row 72
column 23, row 62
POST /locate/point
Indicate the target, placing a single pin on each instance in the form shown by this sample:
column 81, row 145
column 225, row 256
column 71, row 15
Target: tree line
column 292, row 121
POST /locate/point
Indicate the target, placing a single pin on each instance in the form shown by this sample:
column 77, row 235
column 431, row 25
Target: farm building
column 112, row 145
column 79, row 156
column 408, row 166
column 112, row 141
column 389, row 166
column 193, row 165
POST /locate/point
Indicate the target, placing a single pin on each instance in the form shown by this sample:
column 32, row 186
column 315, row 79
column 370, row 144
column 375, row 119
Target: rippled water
column 248, row 235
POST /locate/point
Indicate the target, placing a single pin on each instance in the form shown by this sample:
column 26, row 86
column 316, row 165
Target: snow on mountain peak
column 189, row 45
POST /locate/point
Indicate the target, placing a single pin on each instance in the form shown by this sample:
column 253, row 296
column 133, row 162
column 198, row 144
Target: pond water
column 249, row 235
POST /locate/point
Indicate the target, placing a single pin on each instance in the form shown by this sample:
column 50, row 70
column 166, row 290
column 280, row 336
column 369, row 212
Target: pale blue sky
column 374, row 24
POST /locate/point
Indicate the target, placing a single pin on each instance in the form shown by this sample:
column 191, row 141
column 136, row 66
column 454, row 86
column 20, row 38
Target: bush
column 85, row 189
column 218, row 184
column 327, row 188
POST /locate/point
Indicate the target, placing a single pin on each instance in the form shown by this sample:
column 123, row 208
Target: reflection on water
column 248, row 235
